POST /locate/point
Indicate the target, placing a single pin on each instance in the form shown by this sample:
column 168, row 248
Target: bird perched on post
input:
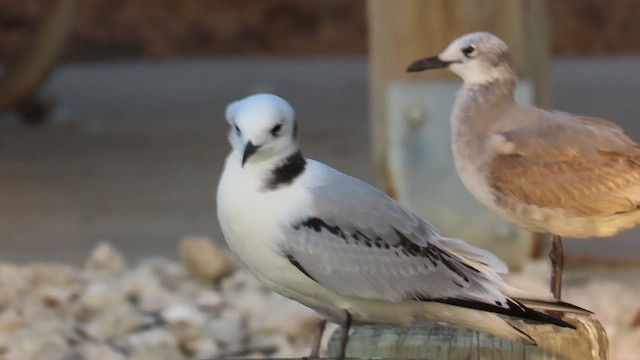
column 545, row 171
column 346, row 250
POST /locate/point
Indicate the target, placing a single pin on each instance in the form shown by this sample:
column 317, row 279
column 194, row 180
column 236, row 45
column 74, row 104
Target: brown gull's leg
column 345, row 336
column 557, row 261
column 317, row 341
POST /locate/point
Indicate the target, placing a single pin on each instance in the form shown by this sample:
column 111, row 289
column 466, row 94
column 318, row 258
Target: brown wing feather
column 584, row 187
column 598, row 122
column 545, row 135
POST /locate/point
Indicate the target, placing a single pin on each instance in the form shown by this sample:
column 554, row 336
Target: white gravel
column 156, row 309
column 163, row 309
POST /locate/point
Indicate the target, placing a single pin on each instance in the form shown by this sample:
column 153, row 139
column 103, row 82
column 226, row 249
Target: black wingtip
column 574, row 308
column 514, row 309
column 554, row 305
column 546, row 318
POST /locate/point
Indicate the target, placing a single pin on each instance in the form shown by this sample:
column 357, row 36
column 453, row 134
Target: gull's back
column 550, row 170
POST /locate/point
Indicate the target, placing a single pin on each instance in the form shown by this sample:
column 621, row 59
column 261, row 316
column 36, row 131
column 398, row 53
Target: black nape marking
column 287, row 171
column 295, row 131
column 514, row 309
column 295, row 263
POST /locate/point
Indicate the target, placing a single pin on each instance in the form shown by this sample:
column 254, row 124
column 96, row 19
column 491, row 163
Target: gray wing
column 359, row 242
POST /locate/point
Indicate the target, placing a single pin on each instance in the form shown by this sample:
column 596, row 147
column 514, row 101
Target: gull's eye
column 275, row 131
column 469, row 51
column 237, row 129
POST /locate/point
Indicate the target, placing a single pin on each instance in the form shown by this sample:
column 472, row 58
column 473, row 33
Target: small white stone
column 100, row 295
column 210, row 300
column 105, row 259
column 204, row 260
column 185, row 315
column 143, row 287
column 114, row 322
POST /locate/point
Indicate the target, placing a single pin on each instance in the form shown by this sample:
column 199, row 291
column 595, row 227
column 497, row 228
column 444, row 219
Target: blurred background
column 120, row 135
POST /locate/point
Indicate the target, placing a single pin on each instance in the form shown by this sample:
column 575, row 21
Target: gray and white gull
column 341, row 247
column 545, row 171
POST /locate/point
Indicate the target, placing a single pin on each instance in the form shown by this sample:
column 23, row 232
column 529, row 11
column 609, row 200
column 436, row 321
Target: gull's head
column 478, row 58
column 262, row 127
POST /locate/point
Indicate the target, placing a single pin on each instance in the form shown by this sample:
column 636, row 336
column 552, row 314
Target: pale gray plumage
column 371, row 247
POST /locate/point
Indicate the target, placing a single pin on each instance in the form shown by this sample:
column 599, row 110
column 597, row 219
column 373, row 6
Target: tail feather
column 514, row 309
column 556, row 305
column 476, row 320
column 538, row 302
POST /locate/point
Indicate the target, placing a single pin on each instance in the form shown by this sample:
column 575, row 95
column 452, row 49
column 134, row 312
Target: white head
column 478, row 58
column 262, row 127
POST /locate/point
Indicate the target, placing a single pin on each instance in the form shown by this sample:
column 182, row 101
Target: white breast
column 252, row 221
column 250, row 218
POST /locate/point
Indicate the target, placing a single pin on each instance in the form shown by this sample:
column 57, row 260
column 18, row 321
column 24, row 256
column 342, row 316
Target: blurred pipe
column 23, row 78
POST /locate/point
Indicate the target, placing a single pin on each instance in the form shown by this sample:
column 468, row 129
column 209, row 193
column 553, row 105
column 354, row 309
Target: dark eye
column 237, row 129
column 468, row 51
column 276, row 130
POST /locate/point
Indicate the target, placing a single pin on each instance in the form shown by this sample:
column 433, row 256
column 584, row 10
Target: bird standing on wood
column 345, row 249
column 545, row 171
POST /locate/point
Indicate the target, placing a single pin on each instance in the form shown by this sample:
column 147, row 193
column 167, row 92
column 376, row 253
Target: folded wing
column 359, row 242
column 586, row 166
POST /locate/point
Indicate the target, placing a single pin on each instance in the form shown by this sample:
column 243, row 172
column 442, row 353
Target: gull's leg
column 345, row 336
column 317, row 341
column 557, row 261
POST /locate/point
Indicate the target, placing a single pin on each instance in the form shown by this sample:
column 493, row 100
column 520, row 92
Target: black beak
column 433, row 62
column 249, row 150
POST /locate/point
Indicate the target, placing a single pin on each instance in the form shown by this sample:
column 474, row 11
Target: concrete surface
column 134, row 150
